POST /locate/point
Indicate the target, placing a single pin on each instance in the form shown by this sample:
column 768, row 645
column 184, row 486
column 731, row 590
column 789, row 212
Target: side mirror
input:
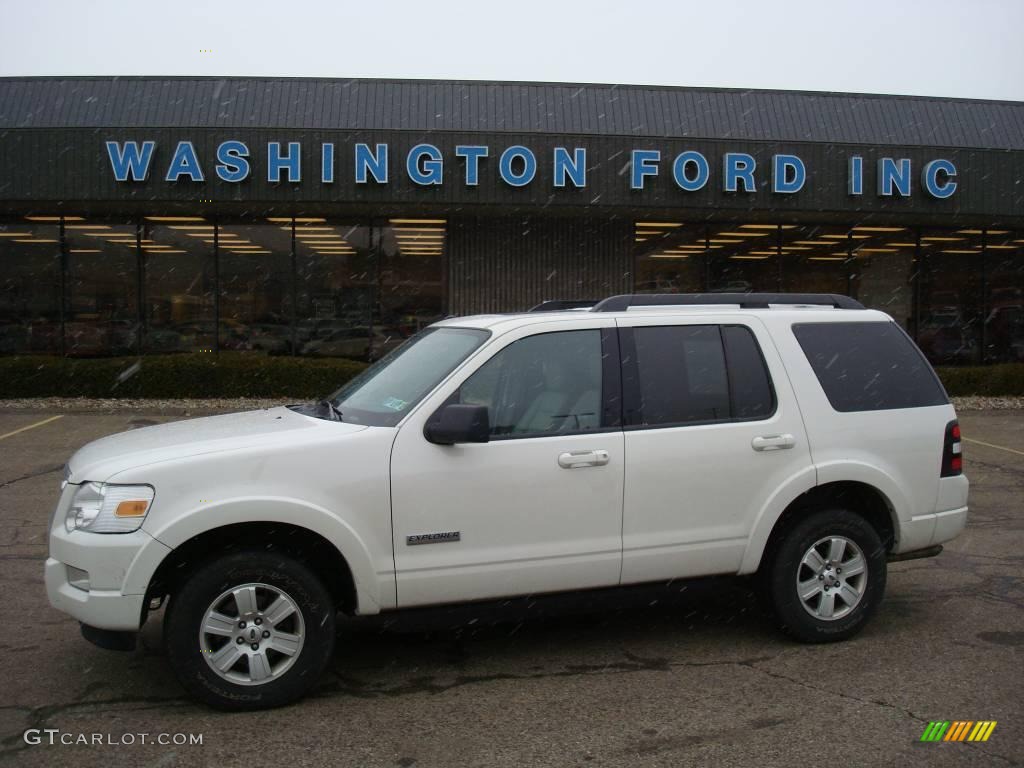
column 452, row 424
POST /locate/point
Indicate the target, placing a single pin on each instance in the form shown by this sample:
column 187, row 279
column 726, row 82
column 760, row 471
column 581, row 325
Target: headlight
column 104, row 508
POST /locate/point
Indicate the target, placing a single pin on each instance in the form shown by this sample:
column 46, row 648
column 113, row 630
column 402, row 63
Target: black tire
column 188, row 608
column 783, row 562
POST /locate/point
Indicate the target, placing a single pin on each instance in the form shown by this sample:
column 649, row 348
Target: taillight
column 952, row 457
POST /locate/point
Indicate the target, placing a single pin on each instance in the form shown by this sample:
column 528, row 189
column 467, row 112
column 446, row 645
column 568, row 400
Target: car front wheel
column 250, row 630
column 826, row 577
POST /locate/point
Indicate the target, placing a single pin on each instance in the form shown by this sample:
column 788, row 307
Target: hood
column 101, row 459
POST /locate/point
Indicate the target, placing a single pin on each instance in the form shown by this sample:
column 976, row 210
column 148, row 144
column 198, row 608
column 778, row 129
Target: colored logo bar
column 958, row 730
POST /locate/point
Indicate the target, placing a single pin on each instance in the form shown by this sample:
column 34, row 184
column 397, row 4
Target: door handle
column 572, row 459
column 772, row 442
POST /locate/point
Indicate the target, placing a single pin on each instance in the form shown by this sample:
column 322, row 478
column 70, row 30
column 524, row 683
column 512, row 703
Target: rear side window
column 689, row 374
column 869, row 366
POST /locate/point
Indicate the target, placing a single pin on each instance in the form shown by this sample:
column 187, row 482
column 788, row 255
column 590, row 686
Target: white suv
column 801, row 439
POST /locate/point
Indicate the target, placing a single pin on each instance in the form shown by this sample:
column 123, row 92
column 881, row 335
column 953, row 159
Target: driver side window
column 546, row 384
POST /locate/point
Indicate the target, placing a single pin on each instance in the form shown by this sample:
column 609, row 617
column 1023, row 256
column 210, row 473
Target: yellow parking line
column 31, row 426
column 969, row 440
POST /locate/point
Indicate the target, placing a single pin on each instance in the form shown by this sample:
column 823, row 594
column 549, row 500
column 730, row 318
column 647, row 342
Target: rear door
column 711, row 432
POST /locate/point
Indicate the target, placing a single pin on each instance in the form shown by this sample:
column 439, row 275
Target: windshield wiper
column 332, row 408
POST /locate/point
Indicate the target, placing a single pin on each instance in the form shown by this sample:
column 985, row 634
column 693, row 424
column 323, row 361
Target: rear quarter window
column 869, row 366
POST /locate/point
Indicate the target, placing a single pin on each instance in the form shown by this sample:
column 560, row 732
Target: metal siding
column 515, row 262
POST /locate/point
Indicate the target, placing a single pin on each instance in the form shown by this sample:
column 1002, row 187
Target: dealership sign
column 424, row 165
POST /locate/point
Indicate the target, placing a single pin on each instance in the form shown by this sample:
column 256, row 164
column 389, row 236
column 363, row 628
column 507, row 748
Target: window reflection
column 102, row 288
column 950, row 313
column 815, row 259
column 882, row 270
column 179, row 289
column 668, row 256
column 747, row 257
column 411, row 293
column 1004, row 319
column 29, row 288
column 336, row 288
column 255, row 288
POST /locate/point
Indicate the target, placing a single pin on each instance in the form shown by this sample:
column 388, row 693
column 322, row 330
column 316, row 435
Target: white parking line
column 31, row 426
column 977, row 442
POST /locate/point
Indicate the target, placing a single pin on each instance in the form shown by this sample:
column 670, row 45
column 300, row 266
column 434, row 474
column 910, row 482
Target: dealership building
column 337, row 217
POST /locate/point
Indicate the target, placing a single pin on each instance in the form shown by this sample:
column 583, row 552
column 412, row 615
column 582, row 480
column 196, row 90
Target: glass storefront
column 102, row 288
column 322, row 287
column 1003, row 297
column 178, row 284
column 960, row 292
column 30, row 288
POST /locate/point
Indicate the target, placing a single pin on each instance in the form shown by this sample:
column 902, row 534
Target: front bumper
column 103, row 609
column 111, row 572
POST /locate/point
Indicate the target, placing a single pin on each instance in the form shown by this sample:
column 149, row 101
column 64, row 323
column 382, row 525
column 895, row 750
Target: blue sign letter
column 184, row 163
column 129, row 160
column 783, row 181
column 376, row 163
column 327, row 163
column 472, row 155
column 231, row 163
column 739, row 166
column 529, row 166
column 277, row 163
column 432, row 169
column 575, row 167
column 682, row 163
column 644, row 163
column 855, row 184
column 891, row 175
column 930, row 178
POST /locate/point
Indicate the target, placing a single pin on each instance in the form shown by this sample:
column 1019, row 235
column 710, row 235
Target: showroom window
column 669, row 256
column 255, row 281
column 335, row 290
column 1004, row 296
column 178, row 284
column 30, row 294
column 949, row 310
column 411, row 285
column 102, row 285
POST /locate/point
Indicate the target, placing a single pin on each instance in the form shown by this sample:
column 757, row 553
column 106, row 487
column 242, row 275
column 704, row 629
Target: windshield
column 382, row 394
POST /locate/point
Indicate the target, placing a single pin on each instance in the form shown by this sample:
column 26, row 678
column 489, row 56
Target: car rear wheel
column 250, row 630
column 826, row 576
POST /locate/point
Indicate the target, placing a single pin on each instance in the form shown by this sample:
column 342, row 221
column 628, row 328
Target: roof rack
column 556, row 305
column 745, row 300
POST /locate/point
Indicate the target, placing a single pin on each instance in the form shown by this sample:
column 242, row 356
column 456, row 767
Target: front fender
column 205, row 517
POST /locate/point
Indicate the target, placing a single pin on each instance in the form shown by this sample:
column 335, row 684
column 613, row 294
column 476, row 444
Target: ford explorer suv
column 801, row 440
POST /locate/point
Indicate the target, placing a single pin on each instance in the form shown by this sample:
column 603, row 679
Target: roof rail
column 745, row 300
column 556, row 305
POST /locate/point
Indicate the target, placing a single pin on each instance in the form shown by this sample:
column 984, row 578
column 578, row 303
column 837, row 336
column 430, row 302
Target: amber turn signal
column 131, row 508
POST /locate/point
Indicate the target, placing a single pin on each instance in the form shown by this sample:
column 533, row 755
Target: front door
column 536, row 509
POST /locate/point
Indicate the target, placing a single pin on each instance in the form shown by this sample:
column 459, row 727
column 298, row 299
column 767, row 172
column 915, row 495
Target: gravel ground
column 189, row 407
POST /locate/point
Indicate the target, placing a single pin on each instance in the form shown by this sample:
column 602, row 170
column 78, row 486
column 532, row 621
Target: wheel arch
column 337, row 553
column 312, row 549
column 861, row 498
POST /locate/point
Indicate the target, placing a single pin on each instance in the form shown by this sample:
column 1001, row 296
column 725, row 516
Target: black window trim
column 611, row 386
column 631, row 379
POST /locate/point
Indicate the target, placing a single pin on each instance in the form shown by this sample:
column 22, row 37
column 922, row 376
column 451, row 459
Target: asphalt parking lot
column 685, row 674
